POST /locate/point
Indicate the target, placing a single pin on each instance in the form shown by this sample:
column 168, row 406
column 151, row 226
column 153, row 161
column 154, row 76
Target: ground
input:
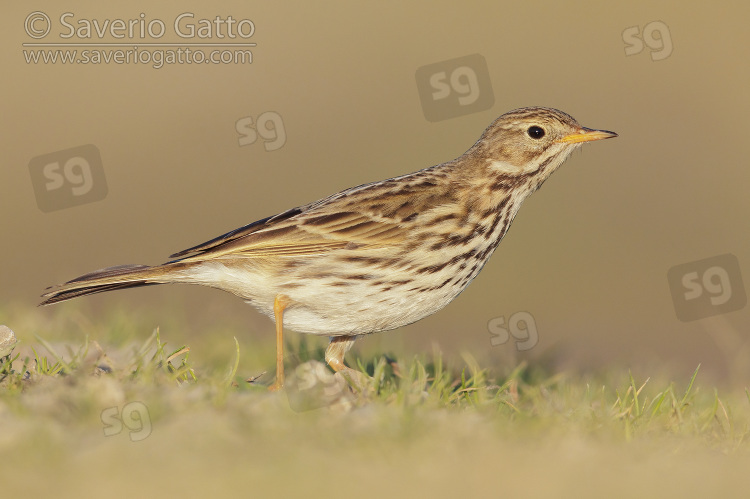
column 144, row 420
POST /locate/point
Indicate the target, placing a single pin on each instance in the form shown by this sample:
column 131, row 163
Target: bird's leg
column 336, row 350
column 279, row 304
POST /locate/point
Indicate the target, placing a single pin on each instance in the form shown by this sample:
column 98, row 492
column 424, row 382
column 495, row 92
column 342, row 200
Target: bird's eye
column 535, row 132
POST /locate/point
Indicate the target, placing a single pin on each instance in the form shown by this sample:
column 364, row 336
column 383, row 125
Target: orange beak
column 586, row 135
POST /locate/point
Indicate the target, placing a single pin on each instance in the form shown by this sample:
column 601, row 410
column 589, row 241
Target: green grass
column 144, row 419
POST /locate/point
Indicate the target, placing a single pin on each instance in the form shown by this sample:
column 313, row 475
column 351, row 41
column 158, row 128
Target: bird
column 377, row 256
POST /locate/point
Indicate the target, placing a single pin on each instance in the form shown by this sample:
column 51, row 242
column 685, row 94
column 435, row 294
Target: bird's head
column 532, row 142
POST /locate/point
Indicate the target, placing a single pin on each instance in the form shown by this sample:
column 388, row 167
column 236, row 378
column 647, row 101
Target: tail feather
column 109, row 279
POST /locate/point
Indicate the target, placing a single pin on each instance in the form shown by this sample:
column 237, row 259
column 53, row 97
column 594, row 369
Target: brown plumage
column 377, row 256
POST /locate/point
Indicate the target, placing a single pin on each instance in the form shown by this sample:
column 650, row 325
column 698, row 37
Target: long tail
column 111, row 278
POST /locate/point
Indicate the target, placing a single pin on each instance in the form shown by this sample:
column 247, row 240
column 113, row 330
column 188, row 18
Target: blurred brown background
column 587, row 256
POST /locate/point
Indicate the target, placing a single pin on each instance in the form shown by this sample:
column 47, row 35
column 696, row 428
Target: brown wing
column 238, row 233
column 322, row 226
column 377, row 214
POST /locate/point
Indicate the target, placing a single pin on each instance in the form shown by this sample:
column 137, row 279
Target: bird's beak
column 586, row 135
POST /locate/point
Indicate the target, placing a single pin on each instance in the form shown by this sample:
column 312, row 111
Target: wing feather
column 370, row 215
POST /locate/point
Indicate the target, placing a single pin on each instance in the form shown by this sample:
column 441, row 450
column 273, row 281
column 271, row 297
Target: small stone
column 7, row 341
column 312, row 386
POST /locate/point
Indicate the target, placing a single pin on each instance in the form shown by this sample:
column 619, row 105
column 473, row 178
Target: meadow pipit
column 377, row 256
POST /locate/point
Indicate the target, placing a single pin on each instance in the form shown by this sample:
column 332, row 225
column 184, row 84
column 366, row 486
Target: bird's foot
column 275, row 387
column 358, row 381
